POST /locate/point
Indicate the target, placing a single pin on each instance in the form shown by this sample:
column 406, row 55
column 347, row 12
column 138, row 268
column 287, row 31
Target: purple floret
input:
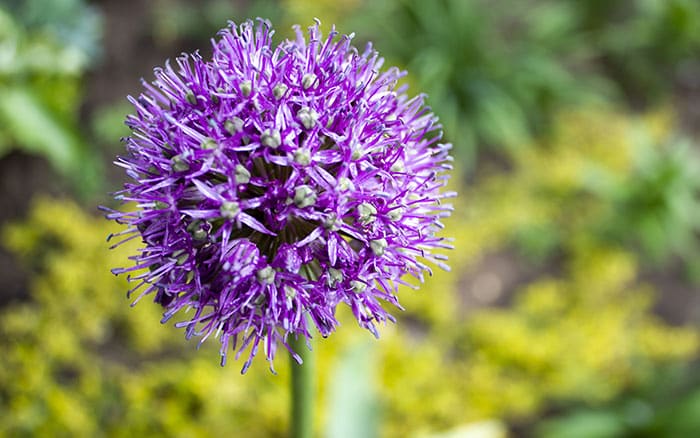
column 272, row 184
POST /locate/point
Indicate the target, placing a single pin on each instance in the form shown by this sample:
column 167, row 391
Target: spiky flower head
column 273, row 183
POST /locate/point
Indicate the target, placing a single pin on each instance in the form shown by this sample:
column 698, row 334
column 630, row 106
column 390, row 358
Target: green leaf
column 500, row 118
column 584, row 424
column 353, row 404
column 36, row 129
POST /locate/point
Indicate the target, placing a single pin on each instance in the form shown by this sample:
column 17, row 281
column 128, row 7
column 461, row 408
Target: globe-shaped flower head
column 273, row 183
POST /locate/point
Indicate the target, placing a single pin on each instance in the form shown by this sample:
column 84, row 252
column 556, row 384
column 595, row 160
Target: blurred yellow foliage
column 563, row 188
column 586, row 333
column 584, row 336
column 78, row 361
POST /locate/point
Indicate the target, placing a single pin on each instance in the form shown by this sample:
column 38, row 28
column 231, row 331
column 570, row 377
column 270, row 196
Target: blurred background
column 573, row 305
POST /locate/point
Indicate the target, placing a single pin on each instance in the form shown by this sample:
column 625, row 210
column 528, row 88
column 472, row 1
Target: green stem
column 303, row 388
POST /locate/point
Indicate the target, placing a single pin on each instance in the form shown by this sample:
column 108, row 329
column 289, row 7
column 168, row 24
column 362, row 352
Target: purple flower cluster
column 273, row 183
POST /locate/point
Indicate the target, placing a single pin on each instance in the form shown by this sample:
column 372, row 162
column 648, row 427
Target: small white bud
column 290, row 292
column 229, row 209
column 334, row 277
column 396, row 214
column 266, row 275
column 304, row 196
column 308, row 80
column 308, row 117
column 178, row 164
column 356, row 153
column 246, row 88
column 271, row 138
column 357, row 286
column 398, row 167
column 330, row 222
column 241, row 174
column 366, row 213
column 378, row 246
column 302, row 156
column 233, row 125
column 279, row 91
column 344, row 184
column 209, row 144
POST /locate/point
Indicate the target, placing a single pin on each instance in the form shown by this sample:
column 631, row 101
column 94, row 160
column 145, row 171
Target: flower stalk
column 303, row 387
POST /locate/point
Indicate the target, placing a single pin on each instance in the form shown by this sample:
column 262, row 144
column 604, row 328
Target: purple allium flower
column 273, row 183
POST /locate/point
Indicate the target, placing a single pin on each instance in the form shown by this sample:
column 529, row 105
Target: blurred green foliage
column 45, row 48
column 496, row 72
column 642, row 45
column 666, row 408
column 600, row 176
column 493, row 71
column 199, row 20
column 107, row 123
